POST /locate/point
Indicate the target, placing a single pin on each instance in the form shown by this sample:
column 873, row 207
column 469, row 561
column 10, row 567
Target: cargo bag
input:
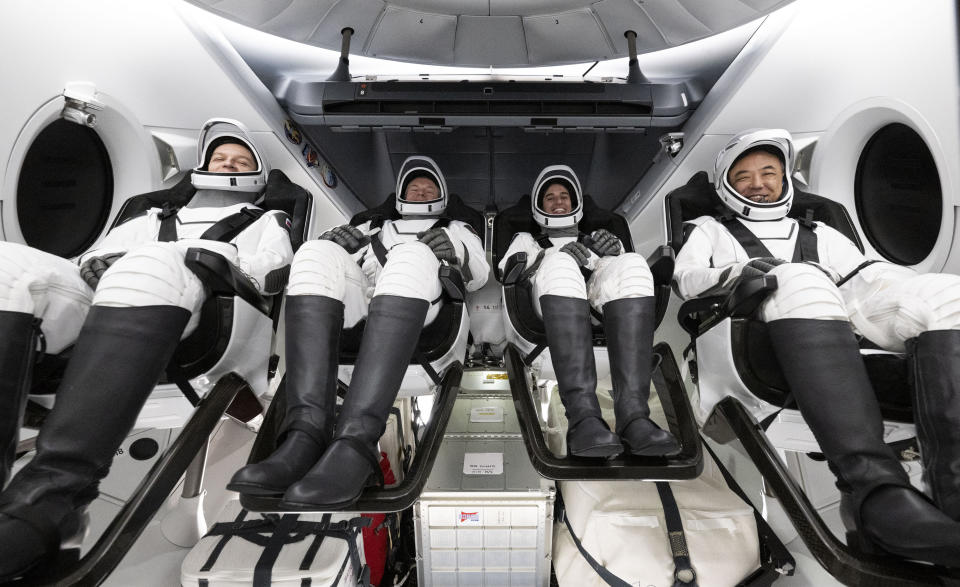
column 291, row 550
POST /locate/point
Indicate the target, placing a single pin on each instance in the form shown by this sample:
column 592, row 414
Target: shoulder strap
column 226, row 229
column 749, row 241
column 806, row 248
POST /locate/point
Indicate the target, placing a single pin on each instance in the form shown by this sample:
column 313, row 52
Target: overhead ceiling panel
column 419, row 35
column 563, row 37
column 500, row 38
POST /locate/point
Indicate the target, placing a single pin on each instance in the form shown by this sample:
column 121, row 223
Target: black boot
column 827, row 377
column 629, row 324
column 352, row 462
column 313, row 325
column 17, row 352
column 118, row 358
column 569, row 335
column 935, row 374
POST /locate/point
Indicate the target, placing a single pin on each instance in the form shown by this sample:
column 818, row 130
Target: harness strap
column 805, row 248
column 224, row 230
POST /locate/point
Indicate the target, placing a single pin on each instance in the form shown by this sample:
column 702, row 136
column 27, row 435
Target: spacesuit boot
column 352, row 461
column 935, row 373
column 313, row 325
column 629, row 324
column 17, row 353
column 569, row 335
column 822, row 365
column 118, row 358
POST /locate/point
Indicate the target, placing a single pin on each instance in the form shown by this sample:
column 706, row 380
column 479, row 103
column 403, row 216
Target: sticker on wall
column 311, row 156
column 328, row 175
column 292, row 132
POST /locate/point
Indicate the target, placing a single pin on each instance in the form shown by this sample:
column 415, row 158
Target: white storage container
column 485, row 517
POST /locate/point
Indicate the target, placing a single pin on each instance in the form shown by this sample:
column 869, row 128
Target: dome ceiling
column 498, row 33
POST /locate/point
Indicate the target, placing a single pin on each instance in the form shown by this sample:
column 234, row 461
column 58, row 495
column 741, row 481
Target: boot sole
column 653, row 452
column 602, row 451
column 946, row 556
column 255, row 489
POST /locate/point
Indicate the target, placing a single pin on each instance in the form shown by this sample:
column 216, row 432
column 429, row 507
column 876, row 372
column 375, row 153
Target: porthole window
column 898, row 196
column 65, row 189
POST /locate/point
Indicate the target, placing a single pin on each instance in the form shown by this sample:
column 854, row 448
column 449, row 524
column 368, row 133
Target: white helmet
column 412, row 168
column 561, row 174
column 775, row 140
column 219, row 131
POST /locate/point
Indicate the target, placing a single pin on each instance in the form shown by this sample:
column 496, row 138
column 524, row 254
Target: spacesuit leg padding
column 935, row 373
column 629, row 324
column 46, row 286
column 905, row 308
column 822, row 365
column 312, row 326
column 569, row 336
column 324, row 268
column 349, row 464
column 803, row 292
column 559, row 275
column 17, row 354
column 616, row 278
column 118, row 358
column 153, row 274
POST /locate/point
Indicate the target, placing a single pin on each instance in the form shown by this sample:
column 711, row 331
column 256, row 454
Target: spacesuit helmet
column 217, row 132
column 565, row 176
column 772, row 140
column 419, row 166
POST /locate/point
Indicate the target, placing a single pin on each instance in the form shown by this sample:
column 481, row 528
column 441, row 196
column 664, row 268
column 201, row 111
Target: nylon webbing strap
column 226, row 229
column 168, row 224
column 608, row 577
column 777, row 554
column 683, row 573
column 805, row 248
column 272, row 534
column 856, row 270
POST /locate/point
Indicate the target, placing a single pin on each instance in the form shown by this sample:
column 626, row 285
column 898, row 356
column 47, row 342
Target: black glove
column 759, row 267
column 578, row 251
column 604, row 243
column 348, row 237
column 440, row 243
column 93, row 268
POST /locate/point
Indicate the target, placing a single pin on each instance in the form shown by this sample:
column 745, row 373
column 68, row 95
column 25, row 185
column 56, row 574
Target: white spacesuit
column 825, row 285
column 386, row 271
column 125, row 306
column 620, row 287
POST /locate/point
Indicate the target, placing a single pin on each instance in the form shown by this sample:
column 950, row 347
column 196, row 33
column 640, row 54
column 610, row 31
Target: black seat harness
column 224, row 230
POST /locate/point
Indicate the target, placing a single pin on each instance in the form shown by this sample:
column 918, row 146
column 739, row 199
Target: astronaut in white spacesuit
column 825, row 286
column 386, row 271
column 126, row 307
column 620, row 287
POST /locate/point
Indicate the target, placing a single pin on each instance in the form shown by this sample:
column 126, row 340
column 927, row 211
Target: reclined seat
column 527, row 351
column 435, row 370
column 221, row 368
column 743, row 394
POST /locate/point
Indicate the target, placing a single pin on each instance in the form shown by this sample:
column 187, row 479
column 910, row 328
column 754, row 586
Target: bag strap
column 776, row 555
column 683, row 573
column 608, row 577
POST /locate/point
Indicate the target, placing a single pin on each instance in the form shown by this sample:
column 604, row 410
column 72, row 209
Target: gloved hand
column 759, row 267
column 347, row 236
column 440, row 243
column 93, row 268
column 604, row 243
column 579, row 252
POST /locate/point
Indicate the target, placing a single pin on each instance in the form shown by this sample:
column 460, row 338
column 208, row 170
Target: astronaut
column 620, row 287
column 825, row 287
column 126, row 307
column 389, row 274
